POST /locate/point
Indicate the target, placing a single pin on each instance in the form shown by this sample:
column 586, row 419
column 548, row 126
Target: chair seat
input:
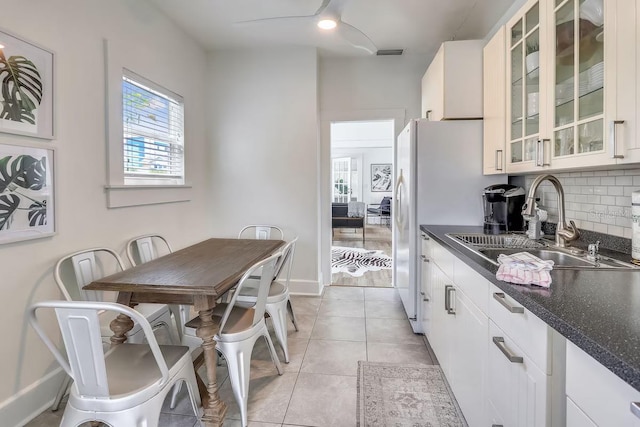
column 240, row 320
column 277, row 290
column 125, row 358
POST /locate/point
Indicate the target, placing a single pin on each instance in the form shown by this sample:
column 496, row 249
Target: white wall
column 264, row 147
column 74, row 30
column 360, row 89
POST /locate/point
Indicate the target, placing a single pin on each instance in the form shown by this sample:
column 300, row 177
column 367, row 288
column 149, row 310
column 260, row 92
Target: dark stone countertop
column 599, row 311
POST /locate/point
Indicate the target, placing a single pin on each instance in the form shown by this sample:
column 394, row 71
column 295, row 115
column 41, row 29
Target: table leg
column 214, row 408
column 122, row 323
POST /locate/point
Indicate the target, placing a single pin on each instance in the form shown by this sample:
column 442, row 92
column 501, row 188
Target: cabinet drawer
column 472, row 284
column 599, row 393
column 529, row 332
column 443, row 258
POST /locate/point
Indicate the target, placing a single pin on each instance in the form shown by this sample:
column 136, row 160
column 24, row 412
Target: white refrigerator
column 438, row 180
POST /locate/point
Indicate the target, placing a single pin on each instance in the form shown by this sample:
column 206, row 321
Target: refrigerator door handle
column 398, row 201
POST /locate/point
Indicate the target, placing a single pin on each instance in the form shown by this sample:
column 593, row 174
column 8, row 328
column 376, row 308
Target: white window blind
column 153, row 133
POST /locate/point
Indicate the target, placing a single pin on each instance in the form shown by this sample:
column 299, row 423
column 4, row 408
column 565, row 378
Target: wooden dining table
column 197, row 275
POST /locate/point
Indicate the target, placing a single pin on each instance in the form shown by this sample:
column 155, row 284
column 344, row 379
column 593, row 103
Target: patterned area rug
column 357, row 261
column 392, row 394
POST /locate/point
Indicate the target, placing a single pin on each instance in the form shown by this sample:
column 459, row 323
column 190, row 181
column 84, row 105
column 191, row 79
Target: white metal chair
column 278, row 300
column 240, row 328
column 125, row 386
column 145, row 248
column 87, row 267
column 263, row 232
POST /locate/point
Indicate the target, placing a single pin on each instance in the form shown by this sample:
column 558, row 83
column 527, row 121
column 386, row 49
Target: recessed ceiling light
column 327, row 24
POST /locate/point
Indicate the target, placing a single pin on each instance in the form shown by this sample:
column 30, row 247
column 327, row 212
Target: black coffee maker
column 503, row 208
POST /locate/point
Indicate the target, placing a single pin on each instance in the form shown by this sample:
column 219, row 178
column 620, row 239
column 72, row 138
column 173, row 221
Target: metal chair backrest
column 85, row 268
column 267, row 268
column 80, row 329
column 285, row 261
column 146, row 248
column 261, row 232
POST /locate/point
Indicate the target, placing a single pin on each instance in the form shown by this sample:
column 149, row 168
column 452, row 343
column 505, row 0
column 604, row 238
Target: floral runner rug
column 402, row 395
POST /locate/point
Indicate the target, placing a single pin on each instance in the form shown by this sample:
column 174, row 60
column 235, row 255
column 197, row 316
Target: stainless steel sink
column 490, row 247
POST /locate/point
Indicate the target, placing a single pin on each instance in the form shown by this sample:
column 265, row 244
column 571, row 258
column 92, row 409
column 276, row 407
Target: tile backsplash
column 596, row 200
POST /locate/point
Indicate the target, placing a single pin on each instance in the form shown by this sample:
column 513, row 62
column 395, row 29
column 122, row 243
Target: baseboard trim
column 32, row 400
column 305, row 287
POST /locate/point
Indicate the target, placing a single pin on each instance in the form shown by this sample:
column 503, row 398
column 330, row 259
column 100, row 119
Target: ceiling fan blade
column 332, row 7
column 356, row 38
column 275, row 19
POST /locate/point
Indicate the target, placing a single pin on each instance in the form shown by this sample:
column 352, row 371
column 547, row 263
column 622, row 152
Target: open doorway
column 361, row 192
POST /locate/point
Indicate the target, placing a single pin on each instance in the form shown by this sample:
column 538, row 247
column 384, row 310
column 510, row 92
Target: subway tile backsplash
column 596, row 200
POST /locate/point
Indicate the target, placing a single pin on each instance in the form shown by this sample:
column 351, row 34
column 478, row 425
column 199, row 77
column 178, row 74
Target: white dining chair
column 264, row 232
column 240, row 328
column 148, row 247
column 89, row 265
column 125, row 386
column 278, row 304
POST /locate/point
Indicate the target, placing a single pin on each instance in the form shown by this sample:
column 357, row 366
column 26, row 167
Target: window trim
column 117, row 192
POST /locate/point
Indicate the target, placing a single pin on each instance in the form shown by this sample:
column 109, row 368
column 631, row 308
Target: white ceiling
column 418, row 26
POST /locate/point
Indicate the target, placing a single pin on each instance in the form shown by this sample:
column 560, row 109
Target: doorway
column 361, row 192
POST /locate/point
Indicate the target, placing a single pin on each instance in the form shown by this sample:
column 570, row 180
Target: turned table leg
column 122, row 323
column 214, row 408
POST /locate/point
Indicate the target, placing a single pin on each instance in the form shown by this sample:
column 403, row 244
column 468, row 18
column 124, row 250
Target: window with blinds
column 153, row 133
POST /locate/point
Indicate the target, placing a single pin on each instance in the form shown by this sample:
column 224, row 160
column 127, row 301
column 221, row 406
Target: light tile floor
column 319, row 385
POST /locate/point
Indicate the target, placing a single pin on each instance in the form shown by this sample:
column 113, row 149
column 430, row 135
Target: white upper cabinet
column 571, row 91
column 493, row 76
column 452, row 85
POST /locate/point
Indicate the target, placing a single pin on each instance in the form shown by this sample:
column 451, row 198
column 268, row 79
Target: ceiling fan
column 328, row 17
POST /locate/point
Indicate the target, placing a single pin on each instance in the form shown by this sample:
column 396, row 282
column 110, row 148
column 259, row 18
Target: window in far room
column 153, row 133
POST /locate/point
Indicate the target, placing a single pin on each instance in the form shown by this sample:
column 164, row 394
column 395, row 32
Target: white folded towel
column 524, row 268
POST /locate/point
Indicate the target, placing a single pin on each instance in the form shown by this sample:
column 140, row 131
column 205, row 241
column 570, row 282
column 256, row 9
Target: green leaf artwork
column 20, row 176
column 21, row 88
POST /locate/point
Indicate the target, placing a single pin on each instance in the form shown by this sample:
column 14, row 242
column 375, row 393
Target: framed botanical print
column 26, row 193
column 26, row 81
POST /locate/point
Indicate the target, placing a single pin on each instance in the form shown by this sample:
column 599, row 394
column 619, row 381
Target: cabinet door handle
column 614, row 139
column 447, row 299
column 497, row 425
column 424, row 297
column 538, row 153
column 500, row 297
column 542, row 145
column 635, row 409
column 498, row 160
column 425, row 237
column 427, row 114
column 499, row 342
column 424, row 258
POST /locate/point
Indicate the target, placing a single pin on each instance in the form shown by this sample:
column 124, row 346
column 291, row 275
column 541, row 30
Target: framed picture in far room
column 26, row 99
column 26, row 193
column 381, row 177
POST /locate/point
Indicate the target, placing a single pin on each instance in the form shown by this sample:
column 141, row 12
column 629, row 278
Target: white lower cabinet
column 597, row 395
column 468, row 375
column 517, row 389
column 458, row 333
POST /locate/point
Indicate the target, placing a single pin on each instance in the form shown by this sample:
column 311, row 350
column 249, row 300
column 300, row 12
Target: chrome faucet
column 564, row 233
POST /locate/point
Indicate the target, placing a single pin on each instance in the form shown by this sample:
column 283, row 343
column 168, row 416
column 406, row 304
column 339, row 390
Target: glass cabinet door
column 524, row 88
column 578, row 77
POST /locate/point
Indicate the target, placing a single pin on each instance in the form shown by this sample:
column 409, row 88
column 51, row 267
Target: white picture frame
column 28, row 108
column 27, row 205
column 381, row 177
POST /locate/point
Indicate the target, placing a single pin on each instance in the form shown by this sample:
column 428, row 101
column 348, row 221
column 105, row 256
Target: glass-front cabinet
column 579, row 102
column 525, row 100
column 571, row 98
